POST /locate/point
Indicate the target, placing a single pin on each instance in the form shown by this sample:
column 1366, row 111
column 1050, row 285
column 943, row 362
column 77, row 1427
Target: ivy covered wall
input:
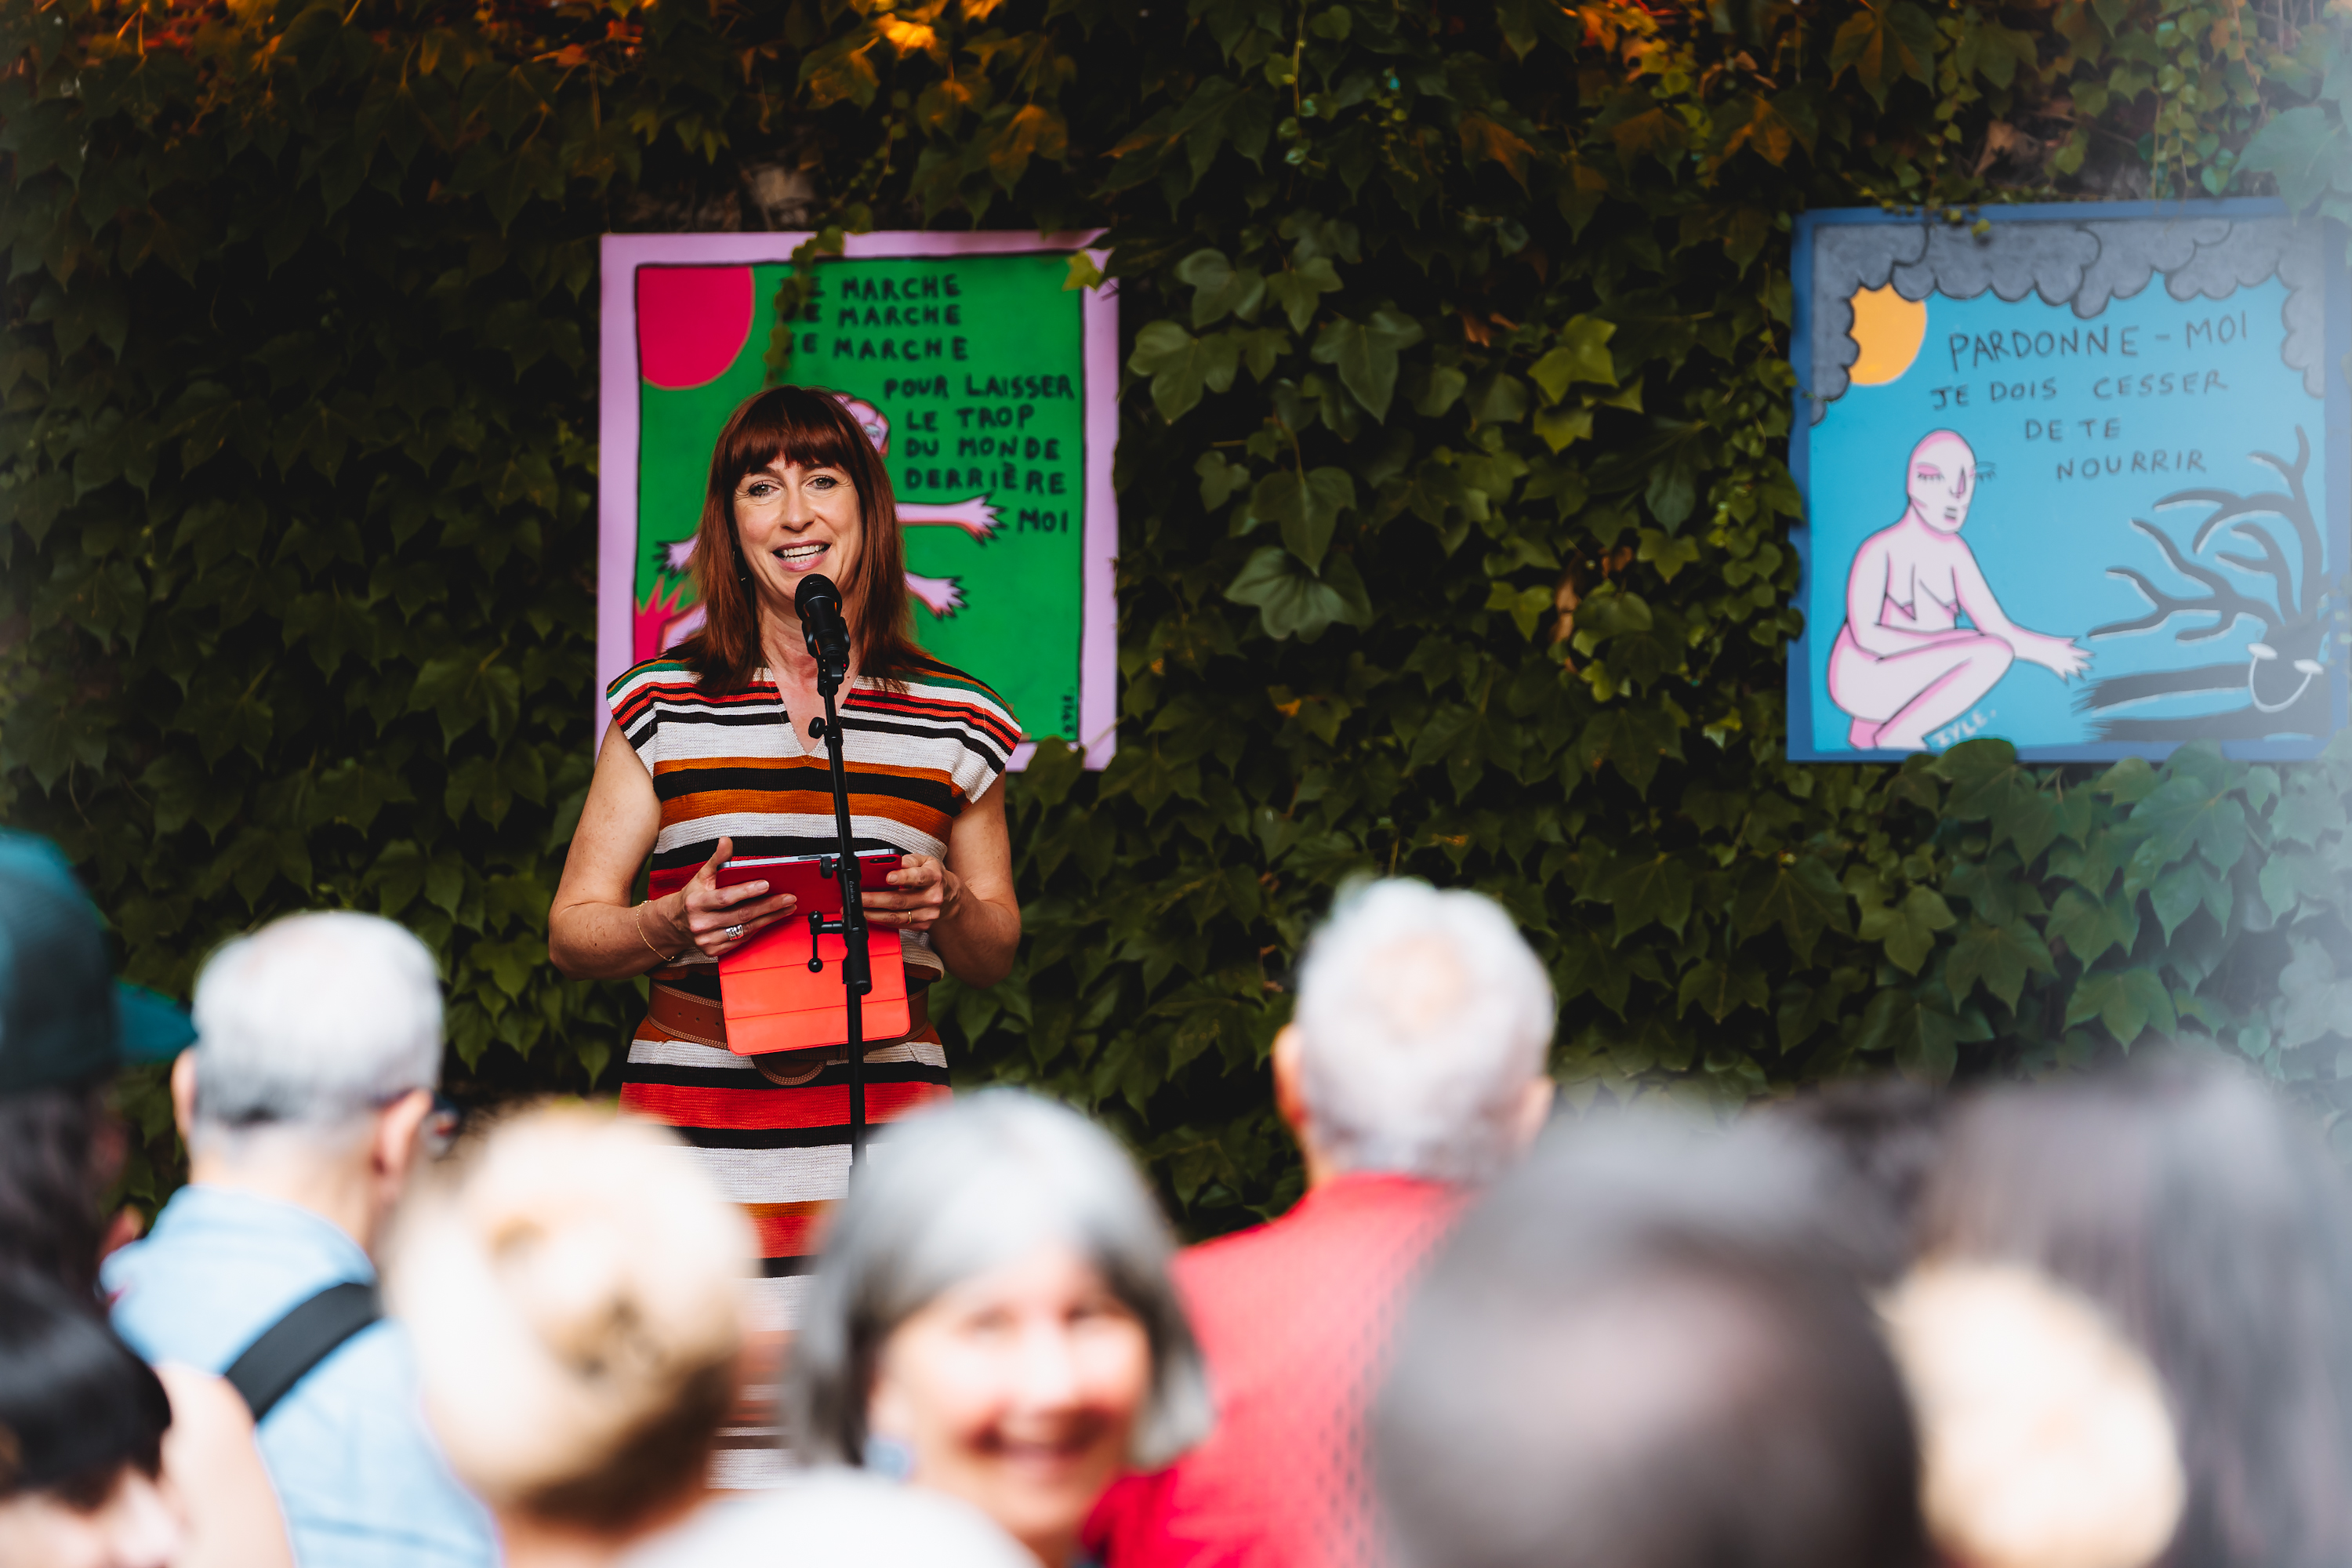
column 1455, row 521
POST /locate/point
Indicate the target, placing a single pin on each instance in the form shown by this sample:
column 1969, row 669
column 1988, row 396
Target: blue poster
column 2080, row 481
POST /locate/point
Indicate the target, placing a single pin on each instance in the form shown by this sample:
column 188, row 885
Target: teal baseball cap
column 64, row 1018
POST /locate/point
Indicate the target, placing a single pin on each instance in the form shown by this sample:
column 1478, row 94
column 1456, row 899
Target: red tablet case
column 773, row 1002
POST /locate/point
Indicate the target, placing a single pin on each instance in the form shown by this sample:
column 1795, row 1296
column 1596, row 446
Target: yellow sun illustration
column 1888, row 330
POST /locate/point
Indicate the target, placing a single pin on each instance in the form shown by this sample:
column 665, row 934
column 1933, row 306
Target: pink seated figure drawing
column 1902, row 665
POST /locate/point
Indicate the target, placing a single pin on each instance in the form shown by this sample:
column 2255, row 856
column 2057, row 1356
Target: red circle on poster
column 691, row 322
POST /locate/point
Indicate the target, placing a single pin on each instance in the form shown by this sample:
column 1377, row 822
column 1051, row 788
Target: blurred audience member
column 1886, row 1134
column 1414, row 1069
column 65, row 1028
column 81, row 1439
column 66, row 1025
column 1645, row 1350
column 318, row 1042
column 992, row 1318
column 2044, row 1434
column 836, row 1517
column 2213, row 1230
column 574, row 1298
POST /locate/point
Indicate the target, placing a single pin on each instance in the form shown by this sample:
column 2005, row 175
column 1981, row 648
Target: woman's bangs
column 789, row 426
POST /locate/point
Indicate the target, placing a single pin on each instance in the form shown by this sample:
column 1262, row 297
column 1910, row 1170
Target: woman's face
column 791, row 521
column 1942, row 482
column 136, row 1526
column 1016, row 1391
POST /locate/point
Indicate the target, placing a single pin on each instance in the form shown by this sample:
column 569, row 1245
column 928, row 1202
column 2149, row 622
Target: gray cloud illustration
column 2083, row 263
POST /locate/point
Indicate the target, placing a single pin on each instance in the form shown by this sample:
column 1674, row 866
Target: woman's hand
column 924, row 892
column 713, row 919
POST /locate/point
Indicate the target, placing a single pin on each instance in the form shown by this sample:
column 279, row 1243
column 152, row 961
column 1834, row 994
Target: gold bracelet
column 636, row 919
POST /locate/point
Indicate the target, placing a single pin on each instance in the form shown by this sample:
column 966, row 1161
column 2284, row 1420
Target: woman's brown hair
column 807, row 425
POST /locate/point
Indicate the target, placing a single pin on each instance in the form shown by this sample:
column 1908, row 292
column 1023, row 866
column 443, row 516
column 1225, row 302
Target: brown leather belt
column 686, row 1016
column 702, row 1023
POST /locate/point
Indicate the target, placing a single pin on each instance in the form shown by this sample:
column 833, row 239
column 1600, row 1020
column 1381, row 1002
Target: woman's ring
column 735, row 932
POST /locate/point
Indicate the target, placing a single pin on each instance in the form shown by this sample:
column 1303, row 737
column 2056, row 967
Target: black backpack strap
column 268, row 1368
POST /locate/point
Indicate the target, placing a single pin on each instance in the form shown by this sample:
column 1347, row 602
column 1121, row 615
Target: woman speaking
column 709, row 758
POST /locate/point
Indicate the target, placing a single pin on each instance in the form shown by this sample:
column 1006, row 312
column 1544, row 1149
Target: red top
column 1295, row 1318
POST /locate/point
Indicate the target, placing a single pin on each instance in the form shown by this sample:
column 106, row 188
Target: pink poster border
column 616, row 482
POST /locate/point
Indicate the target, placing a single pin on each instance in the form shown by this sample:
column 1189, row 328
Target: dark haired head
column 49, row 1222
column 1885, row 1133
column 76, row 1405
column 1646, row 1350
column 809, row 426
column 2216, row 1234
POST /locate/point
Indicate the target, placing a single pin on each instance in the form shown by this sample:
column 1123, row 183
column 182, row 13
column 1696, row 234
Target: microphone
column 823, row 627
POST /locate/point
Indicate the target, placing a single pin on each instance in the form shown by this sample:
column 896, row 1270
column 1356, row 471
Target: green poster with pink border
column 987, row 379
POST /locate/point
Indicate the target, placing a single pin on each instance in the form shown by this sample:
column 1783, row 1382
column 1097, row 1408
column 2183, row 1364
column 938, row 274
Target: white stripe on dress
column 687, row 1054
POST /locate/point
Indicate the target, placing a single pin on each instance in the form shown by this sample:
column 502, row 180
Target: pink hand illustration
column 976, row 515
column 943, row 596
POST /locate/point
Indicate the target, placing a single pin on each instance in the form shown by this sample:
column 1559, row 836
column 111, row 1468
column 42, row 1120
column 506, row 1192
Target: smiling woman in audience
column 992, row 1318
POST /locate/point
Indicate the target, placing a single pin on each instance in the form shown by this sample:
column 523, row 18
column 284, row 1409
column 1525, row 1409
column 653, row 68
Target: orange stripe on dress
column 816, row 763
column 754, row 1110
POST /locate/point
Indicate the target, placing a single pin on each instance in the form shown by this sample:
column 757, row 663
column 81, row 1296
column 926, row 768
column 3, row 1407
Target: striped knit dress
column 735, row 765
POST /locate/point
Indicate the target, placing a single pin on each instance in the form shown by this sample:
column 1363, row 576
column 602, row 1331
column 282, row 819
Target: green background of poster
column 976, row 361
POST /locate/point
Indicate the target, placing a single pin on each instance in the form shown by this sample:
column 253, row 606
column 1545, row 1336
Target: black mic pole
column 831, row 647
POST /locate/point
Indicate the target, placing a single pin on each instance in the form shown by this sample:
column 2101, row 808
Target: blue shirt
column 361, row 1480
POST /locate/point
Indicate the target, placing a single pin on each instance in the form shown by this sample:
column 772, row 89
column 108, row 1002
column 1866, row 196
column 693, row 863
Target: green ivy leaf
column 1582, row 355
column 1293, row 601
column 2182, row 890
column 1998, row 957
column 2089, row 926
column 1801, row 896
column 1307, row 509
column 1218, row 479
column 1298, row 288
column 1366, row 354
column 1721, row 988
column 1672, row 492
column 1882, row 43
column 1908, row 929
column 1560, row 426
column 1651, row 887
column 2130, row 1002
column 2316, row 1003
column 2305, row 149
column 1220, row 290
column 2187, row 811
column 1182, row 366
column 1924, row 1039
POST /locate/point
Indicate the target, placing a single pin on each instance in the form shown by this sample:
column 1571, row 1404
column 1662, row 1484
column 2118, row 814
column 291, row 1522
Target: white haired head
column 573, row 1297
column 1422, row 1016
column 312, row 1021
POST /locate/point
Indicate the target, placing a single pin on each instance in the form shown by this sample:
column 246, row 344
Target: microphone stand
column 856, row 968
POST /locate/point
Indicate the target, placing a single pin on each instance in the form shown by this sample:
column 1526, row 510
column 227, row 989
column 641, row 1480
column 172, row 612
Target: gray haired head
column 1422, row 1016
column 313, row 1021
column 953, row 1193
